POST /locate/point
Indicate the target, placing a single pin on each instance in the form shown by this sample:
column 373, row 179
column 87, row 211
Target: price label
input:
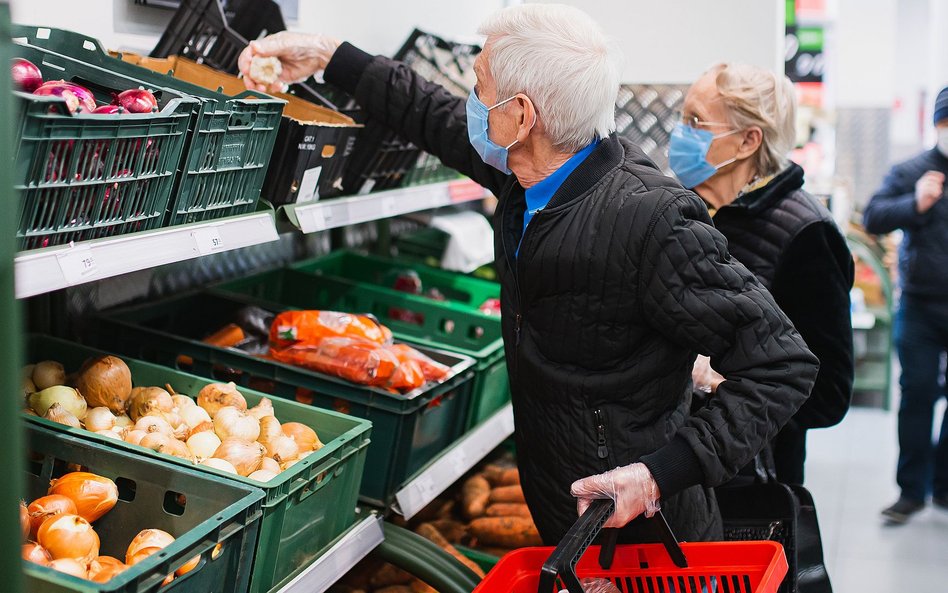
column 318, row 219
column 388, row 206
column 308, row 191
column 208, row 240
column 78, row 265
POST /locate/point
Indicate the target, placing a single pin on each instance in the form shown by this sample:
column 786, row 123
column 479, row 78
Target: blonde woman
column 731, row 148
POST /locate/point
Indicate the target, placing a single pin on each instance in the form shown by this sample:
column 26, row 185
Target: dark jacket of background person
column 619, row 281
column 923, row 254
column 793, row 246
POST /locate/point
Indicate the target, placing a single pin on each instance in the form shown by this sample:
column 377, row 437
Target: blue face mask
column 490, row 152
column 688, row 155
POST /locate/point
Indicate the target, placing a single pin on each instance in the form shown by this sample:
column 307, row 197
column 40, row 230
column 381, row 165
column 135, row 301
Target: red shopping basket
column 713, row 567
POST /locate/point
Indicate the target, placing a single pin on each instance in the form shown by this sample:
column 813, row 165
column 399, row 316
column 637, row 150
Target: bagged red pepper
column 311, row 327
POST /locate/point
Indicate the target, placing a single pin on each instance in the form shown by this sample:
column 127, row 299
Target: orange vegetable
column 505, row 532
column 429, row 532
column 507, row 494
column 359, row 361
column 311, row 327
column 475, row 493
column 508, row 509
column 433, row 370
column 502, row 476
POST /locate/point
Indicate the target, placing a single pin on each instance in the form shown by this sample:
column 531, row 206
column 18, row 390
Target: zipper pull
column 517, row 329
column 603, row 451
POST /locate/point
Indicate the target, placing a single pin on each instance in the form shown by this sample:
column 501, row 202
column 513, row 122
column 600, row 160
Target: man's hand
column 704, row 377
column 928, row 190
column 632, row 487
column 301, row 55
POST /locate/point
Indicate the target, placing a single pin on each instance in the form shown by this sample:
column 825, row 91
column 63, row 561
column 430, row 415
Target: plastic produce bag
column 431, row 369
column 311, row 327
column 357, row 360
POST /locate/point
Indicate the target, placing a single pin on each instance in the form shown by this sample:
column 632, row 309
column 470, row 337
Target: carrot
column 507, row 494
column 474, row 496
column 428, row 531
column 419, row 586
column 502, row 476
column 227, row 336
column 388, row 575
column 453, row 531
column 507, row 509
column 395, row 589
column 505, row 532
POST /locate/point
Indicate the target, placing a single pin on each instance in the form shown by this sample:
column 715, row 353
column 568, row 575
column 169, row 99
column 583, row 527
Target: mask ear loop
column 533, row 125
column 719, row 166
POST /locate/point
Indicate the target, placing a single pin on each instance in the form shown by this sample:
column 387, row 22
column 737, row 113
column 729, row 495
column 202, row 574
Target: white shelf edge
column 456, row 461
column 339, row 212
column 863, row 320
column 364, row 537
column 45, row 270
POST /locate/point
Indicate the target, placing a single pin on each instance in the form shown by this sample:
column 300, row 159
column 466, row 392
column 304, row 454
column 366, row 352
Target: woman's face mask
column 490, row 152
column 688, row 154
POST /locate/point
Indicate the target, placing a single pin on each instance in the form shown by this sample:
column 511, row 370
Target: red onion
column 137, row 101
column 109, row 109
column 26, row 76
column 77, row 98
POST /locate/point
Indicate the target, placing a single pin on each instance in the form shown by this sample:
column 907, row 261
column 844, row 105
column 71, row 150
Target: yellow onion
column 304, row 436
column 135, row 436
column 68, row 397
column 231, row 422
column 69, row 536
column 244, row 456
column 149, row 400
column 155, row 440
column 110, row 434
column 262, row 409
column 45, row 507
column 269, row 464
column 202, row 427
column 176, row 448
column 25, row 523
column 203, row 444
column 105, row 381
column 27, row 386
column 94, row 495
column 188, row 566
column 103, row 568
column 29, row 412
column 35, row 553
column 218, row 395
column 282, row 449
column 100, row 418
column 262, row 475
column 70, row 566
column 178, row 427
column 57, row 413
column 182, row 401
column 270, row 428
column 290, row 464
column 220, row 464
column 152, row 424
column 194, row 415
column 124, row 421
column 47, row 374
column 148, row 538
column 145, row 553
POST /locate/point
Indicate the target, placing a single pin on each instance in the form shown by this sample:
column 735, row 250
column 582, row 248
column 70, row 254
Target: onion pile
column 58, row 531
column 217, row 430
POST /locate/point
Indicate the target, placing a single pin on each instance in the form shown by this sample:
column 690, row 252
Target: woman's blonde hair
column 755, row 96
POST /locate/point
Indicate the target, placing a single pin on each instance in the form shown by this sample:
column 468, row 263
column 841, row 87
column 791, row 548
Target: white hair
column 562, row 60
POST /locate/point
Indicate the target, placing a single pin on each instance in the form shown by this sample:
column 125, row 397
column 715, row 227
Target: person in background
column 912, row 199
column 612, row 276
column 731, row 147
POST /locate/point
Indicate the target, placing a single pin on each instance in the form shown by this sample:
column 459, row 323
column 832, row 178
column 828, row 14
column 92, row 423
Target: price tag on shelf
column 318, row 218
column 78, row 265
column 208, row 240
column 388, row 206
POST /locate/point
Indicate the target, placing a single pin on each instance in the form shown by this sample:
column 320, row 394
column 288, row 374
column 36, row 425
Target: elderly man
column 613, row 278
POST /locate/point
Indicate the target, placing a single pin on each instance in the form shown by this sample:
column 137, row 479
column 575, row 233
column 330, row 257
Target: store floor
column 851, row 473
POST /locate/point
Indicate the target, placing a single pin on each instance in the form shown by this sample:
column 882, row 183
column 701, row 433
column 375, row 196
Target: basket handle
column 562, row 562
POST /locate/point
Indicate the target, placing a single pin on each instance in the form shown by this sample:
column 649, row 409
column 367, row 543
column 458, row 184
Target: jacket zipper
column 514, row 264
column 603, row 449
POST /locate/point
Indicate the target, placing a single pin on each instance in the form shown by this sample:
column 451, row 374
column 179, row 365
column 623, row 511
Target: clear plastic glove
column 301, row 55
column 632, row 487
column 596, row 586
column 928, row 190
column 704, row 377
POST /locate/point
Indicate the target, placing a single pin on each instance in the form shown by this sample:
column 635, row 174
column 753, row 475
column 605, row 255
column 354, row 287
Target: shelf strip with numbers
column 338, row 212
column 456, row 461
column 45, row 270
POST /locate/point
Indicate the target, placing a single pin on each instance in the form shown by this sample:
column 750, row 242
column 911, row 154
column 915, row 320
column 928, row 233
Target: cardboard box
column 312, row 145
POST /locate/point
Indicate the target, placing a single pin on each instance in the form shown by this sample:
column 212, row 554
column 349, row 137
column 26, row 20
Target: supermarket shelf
column 45, row 270
column 355, row 545
column 339, row 212
column 456, row 461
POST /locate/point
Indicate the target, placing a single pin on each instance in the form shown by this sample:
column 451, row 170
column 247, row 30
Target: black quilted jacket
column 620, row 281
column 923, row 253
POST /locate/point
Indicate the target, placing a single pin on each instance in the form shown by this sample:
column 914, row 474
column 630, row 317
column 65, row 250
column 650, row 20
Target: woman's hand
column 632, row 487
column 301, row 55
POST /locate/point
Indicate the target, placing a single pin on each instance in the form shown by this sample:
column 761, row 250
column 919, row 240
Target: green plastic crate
column 151, row 493
column 486, row 561
column 435, row 324
column 408, row 430
column 231, row 140
column 86, row 176
column 305, row 507
column 382, row 272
